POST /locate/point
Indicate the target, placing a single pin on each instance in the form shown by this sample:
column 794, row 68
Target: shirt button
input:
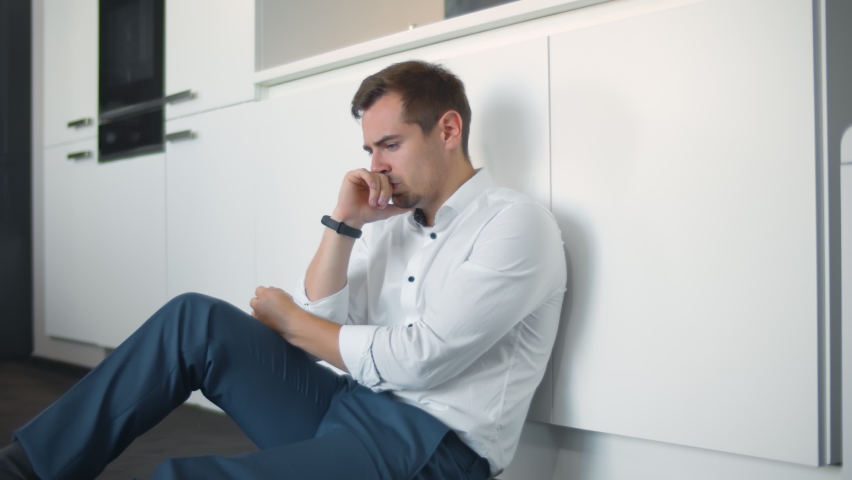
column 410, row 279
column 433, row 236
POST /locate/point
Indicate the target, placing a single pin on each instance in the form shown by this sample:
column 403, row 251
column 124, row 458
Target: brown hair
column 428, row 91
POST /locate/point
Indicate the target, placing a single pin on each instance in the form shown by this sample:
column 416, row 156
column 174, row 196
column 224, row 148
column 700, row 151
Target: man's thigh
column 271, row 389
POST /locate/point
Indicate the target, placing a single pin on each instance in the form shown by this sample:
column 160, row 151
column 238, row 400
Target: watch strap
column 340, row 227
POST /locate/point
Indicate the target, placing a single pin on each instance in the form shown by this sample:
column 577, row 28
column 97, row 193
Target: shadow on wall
column 594, row 169
column 505, row 142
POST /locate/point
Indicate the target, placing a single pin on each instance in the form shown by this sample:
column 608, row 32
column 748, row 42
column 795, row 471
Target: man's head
column 427, row 91
column 415, row 118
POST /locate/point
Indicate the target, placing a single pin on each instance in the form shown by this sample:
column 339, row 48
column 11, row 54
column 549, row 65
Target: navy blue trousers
column 308, row 422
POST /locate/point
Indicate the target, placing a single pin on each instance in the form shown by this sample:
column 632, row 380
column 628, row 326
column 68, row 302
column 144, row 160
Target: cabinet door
column 684, row 184
column 105, row 244
column 61, row 241
column 210, row 51
column 121, row 254
column 70, row 70
column 210, row 205
column 308, row 141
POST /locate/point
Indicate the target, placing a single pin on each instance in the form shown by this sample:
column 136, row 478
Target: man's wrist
column 339, row 216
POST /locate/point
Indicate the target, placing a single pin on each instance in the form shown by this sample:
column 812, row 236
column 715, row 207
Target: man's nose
column 377, row 165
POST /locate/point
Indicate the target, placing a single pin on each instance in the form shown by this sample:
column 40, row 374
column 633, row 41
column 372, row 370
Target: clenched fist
column 275, row 308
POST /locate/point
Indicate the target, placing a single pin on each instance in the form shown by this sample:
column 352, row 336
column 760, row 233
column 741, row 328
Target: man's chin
column 404, row 201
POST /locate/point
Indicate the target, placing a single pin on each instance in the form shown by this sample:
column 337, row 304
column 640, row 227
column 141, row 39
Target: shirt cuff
column 356, row 350
column 334, row 307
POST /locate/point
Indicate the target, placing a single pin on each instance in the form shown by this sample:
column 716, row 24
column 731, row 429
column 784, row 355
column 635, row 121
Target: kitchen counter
column 449, row 29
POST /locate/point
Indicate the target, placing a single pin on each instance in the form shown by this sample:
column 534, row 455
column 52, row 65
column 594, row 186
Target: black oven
column 130, row 93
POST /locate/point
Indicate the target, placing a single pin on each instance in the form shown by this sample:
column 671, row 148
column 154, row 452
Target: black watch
column 341, row 228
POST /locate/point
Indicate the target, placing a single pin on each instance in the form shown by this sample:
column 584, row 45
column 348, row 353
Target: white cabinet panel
column 70, row 69
column 210, row 205
column 308, row 141
column 684, row 184
column 61, row 239
column 122, row 255
column 105, row 244
column 210, row 50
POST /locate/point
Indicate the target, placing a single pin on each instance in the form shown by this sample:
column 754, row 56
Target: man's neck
column 458, row 178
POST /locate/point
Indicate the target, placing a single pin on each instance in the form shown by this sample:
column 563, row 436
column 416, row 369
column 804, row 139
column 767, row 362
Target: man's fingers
column 385, row 191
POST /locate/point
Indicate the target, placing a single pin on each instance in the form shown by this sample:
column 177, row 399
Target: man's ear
column 450, row 125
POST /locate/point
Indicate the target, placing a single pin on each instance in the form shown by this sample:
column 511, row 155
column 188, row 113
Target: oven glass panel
column 131, row 52
column 135, row 135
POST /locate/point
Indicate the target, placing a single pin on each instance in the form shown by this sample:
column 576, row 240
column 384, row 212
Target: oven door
column 131, row 53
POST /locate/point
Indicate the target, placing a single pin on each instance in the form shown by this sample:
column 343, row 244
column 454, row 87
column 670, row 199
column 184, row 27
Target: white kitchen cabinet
column 210, row 52
column 61, row 241
column 684, row 182
column 70, row 70
column 210, row 205
column 105, row 257
column 308, row 140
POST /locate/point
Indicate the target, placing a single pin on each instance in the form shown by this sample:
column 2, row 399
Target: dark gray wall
column 16, row 296
column 454, row 8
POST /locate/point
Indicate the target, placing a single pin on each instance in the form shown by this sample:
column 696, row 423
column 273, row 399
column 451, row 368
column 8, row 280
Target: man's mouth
column 394, row 185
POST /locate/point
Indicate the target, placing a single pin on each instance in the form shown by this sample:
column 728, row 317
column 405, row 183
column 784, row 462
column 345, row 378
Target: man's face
column 411, row 160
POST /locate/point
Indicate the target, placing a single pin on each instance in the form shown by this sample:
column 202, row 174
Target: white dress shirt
column 457, row 319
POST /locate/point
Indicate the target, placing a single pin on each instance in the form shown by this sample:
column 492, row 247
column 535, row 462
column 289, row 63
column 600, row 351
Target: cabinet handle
column 83, row 122
column 180, row 96
column 182, row 135
column 80, row 155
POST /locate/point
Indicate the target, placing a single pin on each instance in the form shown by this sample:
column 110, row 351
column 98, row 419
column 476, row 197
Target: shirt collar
column 460, row 199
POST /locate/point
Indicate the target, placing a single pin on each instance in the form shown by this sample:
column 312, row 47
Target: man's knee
column 187, row 311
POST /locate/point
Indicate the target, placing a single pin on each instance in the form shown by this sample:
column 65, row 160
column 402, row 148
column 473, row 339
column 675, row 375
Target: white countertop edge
column 488, row 19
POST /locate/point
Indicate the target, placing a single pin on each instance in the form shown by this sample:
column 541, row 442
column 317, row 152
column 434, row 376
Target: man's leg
column 270, row 389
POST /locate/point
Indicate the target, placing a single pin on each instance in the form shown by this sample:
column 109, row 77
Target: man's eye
column 392, row 146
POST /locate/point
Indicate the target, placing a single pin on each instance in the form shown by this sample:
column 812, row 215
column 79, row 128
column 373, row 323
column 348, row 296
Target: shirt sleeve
column 517, row 263
column 349, row 304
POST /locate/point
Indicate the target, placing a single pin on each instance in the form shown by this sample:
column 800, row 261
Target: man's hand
column 364, row 198
column 317, row 336
column 275, row 308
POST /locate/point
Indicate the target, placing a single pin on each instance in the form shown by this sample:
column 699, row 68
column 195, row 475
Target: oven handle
column 80, row 155
column 83, row 122
column 180, row 96
column 182, row 135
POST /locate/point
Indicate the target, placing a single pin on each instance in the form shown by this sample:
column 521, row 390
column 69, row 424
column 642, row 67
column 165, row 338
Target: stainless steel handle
column 180, row 96
column 80, row 155
column 83, row 122
column 182, row 135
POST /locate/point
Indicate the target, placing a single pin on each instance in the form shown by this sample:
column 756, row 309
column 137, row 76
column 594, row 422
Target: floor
column 29, row 386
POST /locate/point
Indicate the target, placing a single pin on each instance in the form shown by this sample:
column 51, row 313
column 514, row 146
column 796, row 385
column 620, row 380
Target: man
column 444, row 315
